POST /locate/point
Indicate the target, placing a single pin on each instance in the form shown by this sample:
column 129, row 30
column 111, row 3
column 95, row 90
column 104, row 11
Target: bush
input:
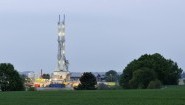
column 87, row 82
column 141, row 78
column 102, row 86
column 156, row 84
column 31, row 89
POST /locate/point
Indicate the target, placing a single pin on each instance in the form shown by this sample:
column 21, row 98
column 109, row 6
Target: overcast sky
column 100, row 34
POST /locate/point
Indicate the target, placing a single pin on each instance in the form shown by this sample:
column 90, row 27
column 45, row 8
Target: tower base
column 60, row 77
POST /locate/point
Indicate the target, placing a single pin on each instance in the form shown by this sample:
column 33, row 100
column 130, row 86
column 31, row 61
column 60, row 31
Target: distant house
column 181, row 81
column 29, row 74
column 100, row 76
column 75, row 76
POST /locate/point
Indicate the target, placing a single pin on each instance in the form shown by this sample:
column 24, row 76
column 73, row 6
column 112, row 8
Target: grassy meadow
column 172, row 95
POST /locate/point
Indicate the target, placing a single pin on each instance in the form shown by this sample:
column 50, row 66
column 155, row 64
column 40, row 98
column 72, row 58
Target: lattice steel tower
column 62, row 64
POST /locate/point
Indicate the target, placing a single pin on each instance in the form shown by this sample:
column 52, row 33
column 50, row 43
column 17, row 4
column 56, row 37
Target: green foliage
column 87, row 82
column 122, row 80
column 46, row 76
column 141, row 78
column 168, row 96
column 26, row 79
column 102, row 86
column 156, row 84
column 111, row 76
column 166, row 70
column 10, row 79
column 31, row 89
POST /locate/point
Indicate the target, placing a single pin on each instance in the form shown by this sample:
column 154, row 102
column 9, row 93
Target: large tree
column 87, row 82
column 111, row 76
column 166, row 70
column 10, row 80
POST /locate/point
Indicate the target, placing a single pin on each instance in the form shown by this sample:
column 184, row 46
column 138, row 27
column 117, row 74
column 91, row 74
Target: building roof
column 79, row 74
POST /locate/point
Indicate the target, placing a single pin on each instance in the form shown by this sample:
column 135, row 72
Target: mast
column 62, row 64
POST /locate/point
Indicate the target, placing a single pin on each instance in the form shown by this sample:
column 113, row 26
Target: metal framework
column 62, row 64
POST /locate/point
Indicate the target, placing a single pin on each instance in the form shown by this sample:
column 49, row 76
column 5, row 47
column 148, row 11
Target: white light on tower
column 61, row 46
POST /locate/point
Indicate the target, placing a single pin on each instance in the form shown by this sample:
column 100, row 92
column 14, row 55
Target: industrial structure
column 61, row 74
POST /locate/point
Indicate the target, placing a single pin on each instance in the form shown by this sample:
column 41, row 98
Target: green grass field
column 172, row 95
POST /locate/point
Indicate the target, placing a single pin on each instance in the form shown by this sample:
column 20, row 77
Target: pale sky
column 101, row 35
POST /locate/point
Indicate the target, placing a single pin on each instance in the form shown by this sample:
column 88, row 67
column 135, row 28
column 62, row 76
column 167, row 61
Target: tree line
column 148, row 71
